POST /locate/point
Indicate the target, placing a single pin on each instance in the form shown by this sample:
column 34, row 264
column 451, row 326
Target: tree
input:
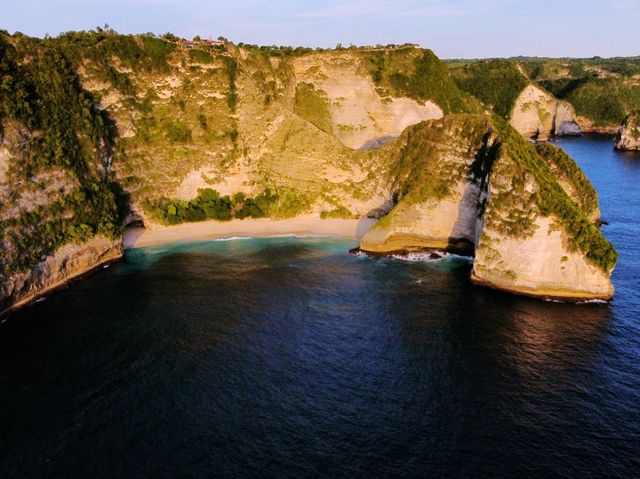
column 170, row 37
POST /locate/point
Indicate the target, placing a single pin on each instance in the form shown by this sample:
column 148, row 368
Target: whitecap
column 234, row 238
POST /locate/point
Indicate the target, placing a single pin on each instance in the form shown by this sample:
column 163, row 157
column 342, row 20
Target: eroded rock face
column 569, row 128
column 57, row 205
column 360, row 117
column 537, row 114
column 447, row 224
column 439, row 170
column 527, row 211
column 303, row 126
column 538, row 265
column 67, row 262
column 628, row 137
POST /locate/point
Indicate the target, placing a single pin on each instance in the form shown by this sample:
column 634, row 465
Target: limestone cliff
column 628, row 137
column 357, row 114
column 501, row 200
column 601, row 91
column 58, row 212
column 56, row 269
column 98, row 127
column 90, row 120
column 506, row 88
column 537, row 114
column 437, row 171
column 539, row 238
column 539, row 265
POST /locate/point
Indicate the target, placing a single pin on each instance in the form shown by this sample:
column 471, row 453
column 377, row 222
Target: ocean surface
column 288, row 357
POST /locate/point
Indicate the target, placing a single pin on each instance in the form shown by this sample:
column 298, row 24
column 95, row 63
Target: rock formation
column 467, row 184
column 66, row 263
column 96, row 128
column 537, row 114
column 357, row 114
column 628, row 137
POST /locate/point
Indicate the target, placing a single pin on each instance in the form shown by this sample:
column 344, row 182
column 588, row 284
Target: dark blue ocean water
column 288, row 357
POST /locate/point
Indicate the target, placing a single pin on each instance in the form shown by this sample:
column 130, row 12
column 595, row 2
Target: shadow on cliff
column 363, row 226
column 474, row 197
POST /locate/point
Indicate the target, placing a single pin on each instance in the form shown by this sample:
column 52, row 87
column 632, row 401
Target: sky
column 452, row 28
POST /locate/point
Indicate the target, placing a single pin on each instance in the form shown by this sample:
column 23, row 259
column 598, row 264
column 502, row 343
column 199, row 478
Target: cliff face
column 95, row 122
column 602, row 91
column 505, row 86
column 527, row 213
column 628, row 137
column 65, row 263
column 535, row 228
column 437, row 171
column 90, row 119
column 537, row 114
column 241, row 119
column 539, row 265
column 357, row 114
column 58, row 214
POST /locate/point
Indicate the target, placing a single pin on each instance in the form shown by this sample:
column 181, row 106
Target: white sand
column 208, row 230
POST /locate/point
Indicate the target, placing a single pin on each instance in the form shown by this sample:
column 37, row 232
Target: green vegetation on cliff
column 110, row 56
column 552, row 200
column 603, row 90
column 418, row 74
column 311, row 105
column 568, row 171
column 421, row 167
column 605, row 101
column 55, row 125
column 524, row 180
column 210, row 205
column 146, row 52
column 497, row 83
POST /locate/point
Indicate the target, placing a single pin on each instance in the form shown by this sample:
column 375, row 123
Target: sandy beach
column 263, row 227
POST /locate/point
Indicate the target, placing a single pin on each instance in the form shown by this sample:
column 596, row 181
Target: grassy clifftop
column 604, row 101
column 497, row 83
column 602, row 90
column 419, row 74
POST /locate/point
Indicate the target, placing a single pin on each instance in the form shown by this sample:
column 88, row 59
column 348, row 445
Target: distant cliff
column 101, row 129
column 572, row 95
column 505, row 87
column 628, row 137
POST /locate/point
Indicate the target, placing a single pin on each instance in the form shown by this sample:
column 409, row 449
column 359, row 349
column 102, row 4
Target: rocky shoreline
column 69, row 263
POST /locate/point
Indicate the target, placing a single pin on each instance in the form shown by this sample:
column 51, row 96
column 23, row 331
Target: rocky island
column 101, row 130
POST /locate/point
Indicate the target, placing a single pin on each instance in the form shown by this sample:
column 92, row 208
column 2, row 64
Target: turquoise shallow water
column 288, row 357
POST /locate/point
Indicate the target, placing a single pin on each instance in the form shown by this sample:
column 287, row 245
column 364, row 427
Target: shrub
column 497, row 83
column 311, row 105
column 178, row 132
column 210, row 205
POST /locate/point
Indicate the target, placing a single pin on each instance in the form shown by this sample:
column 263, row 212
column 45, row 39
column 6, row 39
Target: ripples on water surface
column 289, row 357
